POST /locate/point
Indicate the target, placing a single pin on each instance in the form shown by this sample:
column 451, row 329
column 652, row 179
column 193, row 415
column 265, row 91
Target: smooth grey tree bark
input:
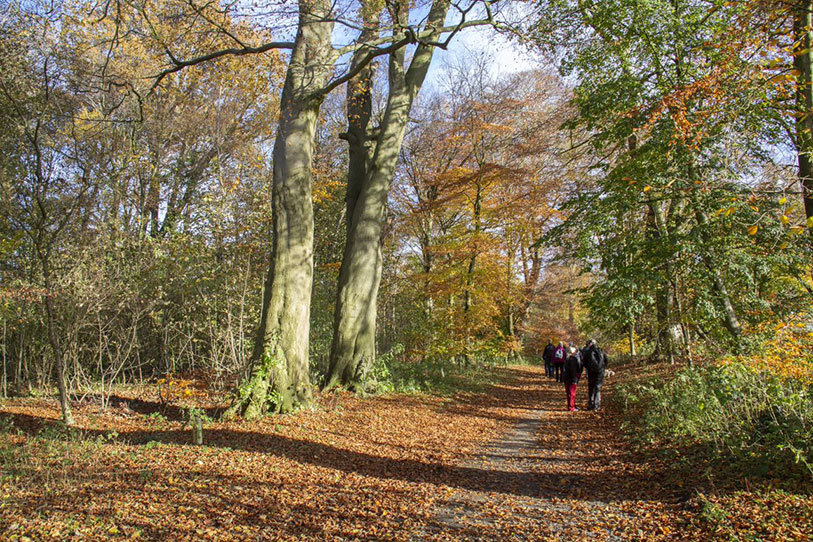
column 670, row 333
column 361, row 142
column 631, row 338
column 279, row 371
column 353, row 346
column 730, row 320
column 279, row 376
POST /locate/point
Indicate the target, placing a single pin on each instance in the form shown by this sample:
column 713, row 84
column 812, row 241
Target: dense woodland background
column 277, row 270
column 644, row 185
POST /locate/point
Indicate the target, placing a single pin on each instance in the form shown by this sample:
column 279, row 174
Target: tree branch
column 178, row 64
column 408, row 38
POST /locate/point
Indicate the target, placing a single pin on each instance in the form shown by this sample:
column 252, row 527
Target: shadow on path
column 507, row 466
column 550, row 462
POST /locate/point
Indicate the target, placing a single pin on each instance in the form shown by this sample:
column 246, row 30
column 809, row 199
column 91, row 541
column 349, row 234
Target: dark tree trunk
column 53, row 339
column 670, row 333
column 802, row 21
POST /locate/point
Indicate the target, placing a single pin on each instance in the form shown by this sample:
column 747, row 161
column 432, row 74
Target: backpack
column 559, row 355
column 593, row 361
column 573, row 368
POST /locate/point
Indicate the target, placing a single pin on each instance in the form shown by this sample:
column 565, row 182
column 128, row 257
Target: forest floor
column 507, row 463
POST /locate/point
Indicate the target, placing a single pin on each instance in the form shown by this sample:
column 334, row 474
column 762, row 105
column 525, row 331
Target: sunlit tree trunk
column 353, row 342
column 353, row 345
column 730, row 320
column 631, row 334
column 279, row 376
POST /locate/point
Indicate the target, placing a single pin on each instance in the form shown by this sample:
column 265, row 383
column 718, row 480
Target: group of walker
column 566, row 363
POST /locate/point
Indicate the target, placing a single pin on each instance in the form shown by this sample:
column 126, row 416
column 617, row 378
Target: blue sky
column 506, row 57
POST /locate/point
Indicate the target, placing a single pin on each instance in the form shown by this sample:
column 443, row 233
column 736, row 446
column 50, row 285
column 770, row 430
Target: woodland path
column 573, row 479
column 507, row 463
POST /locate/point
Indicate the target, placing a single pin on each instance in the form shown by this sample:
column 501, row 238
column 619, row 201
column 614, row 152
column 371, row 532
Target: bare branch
column 178, row 64
column 373, row 53
column 419, row 36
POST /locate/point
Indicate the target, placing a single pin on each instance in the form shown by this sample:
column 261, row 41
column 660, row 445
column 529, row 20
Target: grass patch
column 51, row 457
column 391, row 373
column 739, row 437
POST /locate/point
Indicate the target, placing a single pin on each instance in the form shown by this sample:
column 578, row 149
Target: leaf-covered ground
column 506, row 464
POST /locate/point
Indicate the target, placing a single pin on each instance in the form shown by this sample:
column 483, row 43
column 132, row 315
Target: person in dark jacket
column 547, row 356
column 570, row 376
column 595, row 362
column 559, row 357
column 583, row 351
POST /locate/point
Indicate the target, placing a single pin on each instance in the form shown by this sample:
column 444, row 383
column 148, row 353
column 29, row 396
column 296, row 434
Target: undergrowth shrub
column 392, row 373
column 52, row 458
column 730, row 411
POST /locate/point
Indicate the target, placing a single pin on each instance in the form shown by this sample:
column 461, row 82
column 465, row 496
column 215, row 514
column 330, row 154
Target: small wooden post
column 197, row 429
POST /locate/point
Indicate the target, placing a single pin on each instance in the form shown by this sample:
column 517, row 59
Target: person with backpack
column 570, row 376
column 559, row 356
column 595, row 362
column 584, row 350
column 547, row 357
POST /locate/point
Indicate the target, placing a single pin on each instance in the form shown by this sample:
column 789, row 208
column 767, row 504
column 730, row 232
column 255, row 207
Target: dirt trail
column 571, row 479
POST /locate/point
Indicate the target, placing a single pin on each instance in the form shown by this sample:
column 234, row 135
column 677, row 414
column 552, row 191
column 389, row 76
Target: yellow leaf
column 783, row 200
column 784, row 219
column 647, row 188
column 752, row 230
column 810, row 222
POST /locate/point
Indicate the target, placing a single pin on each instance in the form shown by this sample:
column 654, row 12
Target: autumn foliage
column 176, row 221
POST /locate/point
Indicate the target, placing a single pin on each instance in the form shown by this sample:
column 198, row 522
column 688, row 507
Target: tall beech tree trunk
column 468, row 297
column 368, row 183
column 510, row 323
column 802, row 56
column 354, row 341
column 427, row 265
column 530, row 276
column 477, row 207
column 279, row 376
column 730, row 320
column 631, row 337
column 670, row 333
